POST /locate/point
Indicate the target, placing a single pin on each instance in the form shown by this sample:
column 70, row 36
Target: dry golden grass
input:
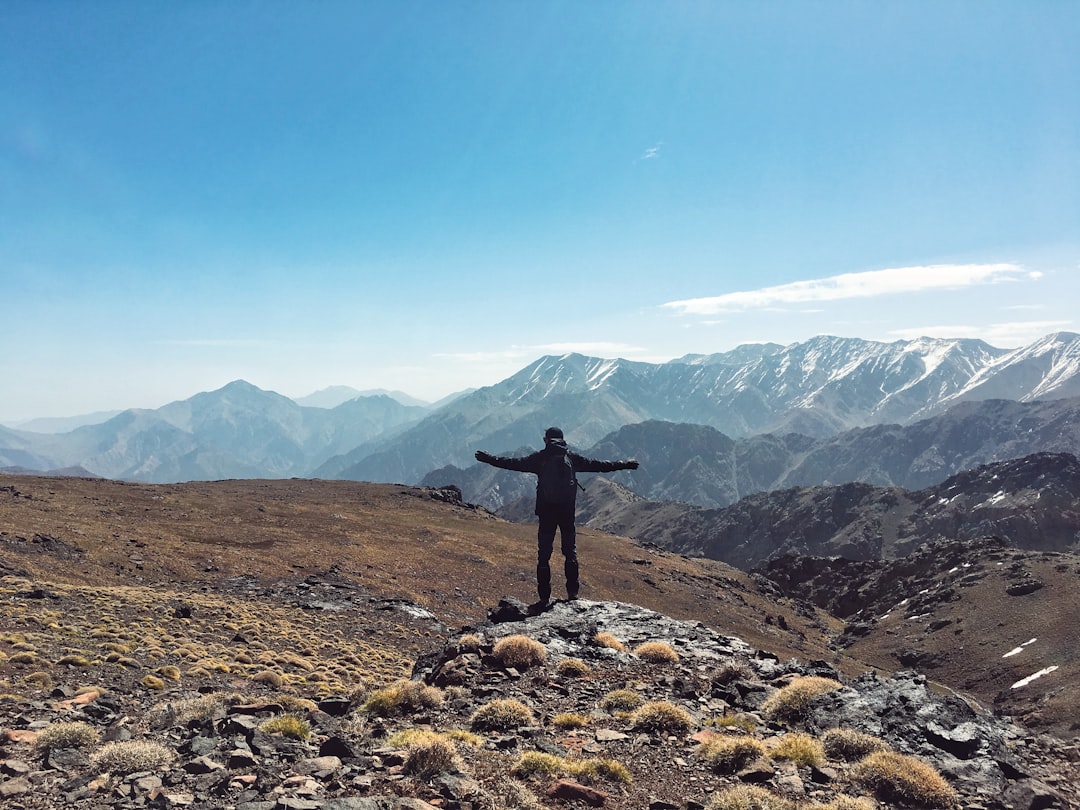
column 573, row 668
column 662, row 716
column 500, row 715
column 791, row 702
column 402, row 697
column 621, row 700
column 569, row 721
column 729, row 754
column 656, row 652
column 899, row 778
column 848, row 745
column 131, row 756
column 749, row 797
column 802, row 749
column 609, row 641
column 287, row 725
column 74, row 734
column 520, row 652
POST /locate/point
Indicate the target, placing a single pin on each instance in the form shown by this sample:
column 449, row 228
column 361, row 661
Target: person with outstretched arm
column 555, row 468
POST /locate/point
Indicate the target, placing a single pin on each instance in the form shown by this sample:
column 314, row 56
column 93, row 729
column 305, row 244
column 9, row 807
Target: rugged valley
column 263, row 635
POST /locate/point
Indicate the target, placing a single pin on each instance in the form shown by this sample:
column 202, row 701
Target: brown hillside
column 389, row 541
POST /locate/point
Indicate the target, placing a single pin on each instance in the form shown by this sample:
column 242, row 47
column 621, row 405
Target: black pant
column 552, row 518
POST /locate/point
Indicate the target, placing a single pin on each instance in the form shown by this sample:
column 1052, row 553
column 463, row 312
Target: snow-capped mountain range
column 818, row 388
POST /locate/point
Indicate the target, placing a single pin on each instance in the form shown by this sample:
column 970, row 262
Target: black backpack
column 557, row 483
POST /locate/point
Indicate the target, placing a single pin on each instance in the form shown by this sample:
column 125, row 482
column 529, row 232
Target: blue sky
column 427, row 196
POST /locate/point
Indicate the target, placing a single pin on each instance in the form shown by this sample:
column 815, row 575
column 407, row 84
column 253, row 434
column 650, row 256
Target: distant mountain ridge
column 703, row 467
column 1033, row 501
column 818, row 388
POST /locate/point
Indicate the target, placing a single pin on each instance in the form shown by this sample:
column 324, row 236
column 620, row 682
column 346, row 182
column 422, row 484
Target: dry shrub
column 270, row 677
column 153, row 682
column 75, row 734
column 799, row 748
column 169, row 673
column 729, row 754
column 42, row 680
column 131, row 756
column 532, row 763
column 609, row 641
column 732, row 671
column 569, row 721
column 429, row 753
column 501, row 714
column 848, row 745
column 662, row 716
column 469, row 643
column 520, row 652
column 573, row 668
column 589, row 770
column 656, row 652
column 845, row 803
column 792, row 701
column 749, row 797
column 73, row 660
column 402, row 697
column 899, row 778
column 287, row 725
column 621, row 700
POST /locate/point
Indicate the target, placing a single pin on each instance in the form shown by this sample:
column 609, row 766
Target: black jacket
column 535, row 463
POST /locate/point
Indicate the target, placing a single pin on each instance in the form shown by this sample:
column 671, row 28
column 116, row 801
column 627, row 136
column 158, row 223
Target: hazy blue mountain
column 63, row 424
column 816, row 390
column 339, row 394
column 238, row 431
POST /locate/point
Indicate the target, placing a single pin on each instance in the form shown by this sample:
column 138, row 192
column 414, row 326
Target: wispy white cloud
column 870, row 284
column 1006, row 335
column 652, row 152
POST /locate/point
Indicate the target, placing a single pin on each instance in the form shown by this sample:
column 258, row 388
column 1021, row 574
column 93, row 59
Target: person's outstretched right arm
column 523, row 464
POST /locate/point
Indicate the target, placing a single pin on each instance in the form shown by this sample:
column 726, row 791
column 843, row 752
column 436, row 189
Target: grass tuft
column 663, row 717
column 656, row 652
column 848, row 745
column 501, row 714
column 402, row 697
column 749, row 797
column 573, row 668
column 621, row 700
column 569, row 721
column 75, row 734
column 730, row 754
column 533, row 763
column 898, row 778
column 131, row 756
column 609, row 641
column 792, row 702
column 287, row 725
column 802, row 749
column 520, row 652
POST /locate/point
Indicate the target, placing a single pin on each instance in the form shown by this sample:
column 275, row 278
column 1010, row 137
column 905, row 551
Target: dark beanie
column 553, row 433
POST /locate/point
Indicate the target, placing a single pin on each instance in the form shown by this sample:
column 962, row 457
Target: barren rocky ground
column 307, row 644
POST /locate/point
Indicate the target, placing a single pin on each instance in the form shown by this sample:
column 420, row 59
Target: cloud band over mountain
column 869, row 284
